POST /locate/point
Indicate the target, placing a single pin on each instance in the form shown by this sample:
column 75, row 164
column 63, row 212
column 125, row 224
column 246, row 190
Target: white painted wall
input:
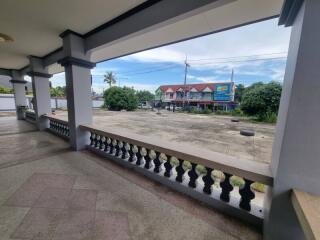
column 7, row 103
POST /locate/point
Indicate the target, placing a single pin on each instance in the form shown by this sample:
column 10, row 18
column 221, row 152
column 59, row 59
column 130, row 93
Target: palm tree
column 110, row 78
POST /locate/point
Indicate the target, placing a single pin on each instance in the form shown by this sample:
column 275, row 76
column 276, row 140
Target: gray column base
column 43, row 123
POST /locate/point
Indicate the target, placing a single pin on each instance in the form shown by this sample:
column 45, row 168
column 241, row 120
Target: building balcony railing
column 59, row 127
column 199, row 173
column 31, row 116
column 187, row 169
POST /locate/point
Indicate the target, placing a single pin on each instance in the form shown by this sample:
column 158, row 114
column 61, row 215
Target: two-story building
column 202, row 95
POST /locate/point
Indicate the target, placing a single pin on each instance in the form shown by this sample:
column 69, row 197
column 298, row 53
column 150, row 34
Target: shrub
column 6, row 90
column 268, row 117
column 201, row 169
column 221, row 112
column 144, row 95
column 194, row 110
column 261, row 98
column 218, row 175
column 236, row 181
column 259, row 187
column 207, row 111
column 117, row 98
column 237, row 112
column 174, row 161
column 186, row 165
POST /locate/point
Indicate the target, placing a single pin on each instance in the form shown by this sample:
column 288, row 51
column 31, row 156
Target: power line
column 148, row 68
column 210, row 63
column 174, row 65
column 155, row 70
column 246, row 60
column 247, row 56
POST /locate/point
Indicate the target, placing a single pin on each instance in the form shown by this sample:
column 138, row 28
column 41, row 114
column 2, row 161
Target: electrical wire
column 194, row 63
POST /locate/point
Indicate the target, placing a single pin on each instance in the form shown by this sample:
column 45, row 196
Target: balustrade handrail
column 307, row 208
column 54, row 118
column 247, row 169
column 58, row 126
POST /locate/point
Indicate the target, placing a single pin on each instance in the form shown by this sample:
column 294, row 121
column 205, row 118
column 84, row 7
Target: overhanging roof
column 36, row 25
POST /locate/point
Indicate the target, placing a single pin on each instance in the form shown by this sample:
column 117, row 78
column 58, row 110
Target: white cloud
column 58, row 79
column 100, row 87
column 27, row 78
column 278, row 74
column 260, row 40
column 257, row 39
column 141, row 86
column 206, row 79
column 100, row 71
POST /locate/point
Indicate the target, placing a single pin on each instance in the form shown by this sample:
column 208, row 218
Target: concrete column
column 41, row 94
column 18, row 84
column 295, row 160
column 78, row 86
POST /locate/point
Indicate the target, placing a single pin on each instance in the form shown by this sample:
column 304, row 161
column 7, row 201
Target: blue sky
column 256, row 52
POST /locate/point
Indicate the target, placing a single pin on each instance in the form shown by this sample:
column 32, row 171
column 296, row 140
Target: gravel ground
column 216, row 133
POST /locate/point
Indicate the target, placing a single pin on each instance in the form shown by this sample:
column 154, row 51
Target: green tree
column 5, row 90
column 110, row 78
column 117, row 98
column 239, row 91
column 262, row 100
column 58, row 91
column 144, row 95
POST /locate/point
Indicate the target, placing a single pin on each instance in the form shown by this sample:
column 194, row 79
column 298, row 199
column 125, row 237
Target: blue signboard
column 223, row 92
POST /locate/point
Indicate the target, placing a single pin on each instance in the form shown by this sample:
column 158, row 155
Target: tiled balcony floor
column 49, row 192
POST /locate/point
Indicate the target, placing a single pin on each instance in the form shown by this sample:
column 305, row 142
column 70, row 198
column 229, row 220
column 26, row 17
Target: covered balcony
column 49, row 191
column 70, row 179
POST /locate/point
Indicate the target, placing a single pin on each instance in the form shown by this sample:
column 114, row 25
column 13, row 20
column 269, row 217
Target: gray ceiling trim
column 18, row 81
column 39, row 74
column 289, row 11
column 123, row 16
column 158, row 13
column 68, row 31
column 5, row 72
column 24, row 70
column 53, row 57
column 77, row 62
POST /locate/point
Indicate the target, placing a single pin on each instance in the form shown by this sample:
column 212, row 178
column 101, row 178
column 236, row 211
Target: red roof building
column 197, row 94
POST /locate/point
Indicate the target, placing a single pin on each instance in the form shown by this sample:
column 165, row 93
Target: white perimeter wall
column 7, row 103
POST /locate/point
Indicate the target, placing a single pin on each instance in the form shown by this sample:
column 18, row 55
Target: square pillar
column 41, row 94
column 18, row 84
column 78, row 86
column 296, row 152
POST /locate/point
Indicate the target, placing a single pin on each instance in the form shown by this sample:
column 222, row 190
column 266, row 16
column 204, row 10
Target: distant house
column 202, row 95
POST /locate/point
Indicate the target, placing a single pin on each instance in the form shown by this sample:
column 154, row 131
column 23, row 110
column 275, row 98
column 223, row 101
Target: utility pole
column 185, row 80
column 232, row 75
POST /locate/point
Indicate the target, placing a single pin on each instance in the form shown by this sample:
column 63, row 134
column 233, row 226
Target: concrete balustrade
column 166, row 163
column 59, row 127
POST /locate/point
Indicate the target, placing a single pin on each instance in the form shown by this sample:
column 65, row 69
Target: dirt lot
column 216, row 133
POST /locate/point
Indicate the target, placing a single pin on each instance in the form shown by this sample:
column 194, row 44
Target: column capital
column 18, row 81
column 289, row 12
column 67, row 61
column 68, row 32
column 39, row 74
